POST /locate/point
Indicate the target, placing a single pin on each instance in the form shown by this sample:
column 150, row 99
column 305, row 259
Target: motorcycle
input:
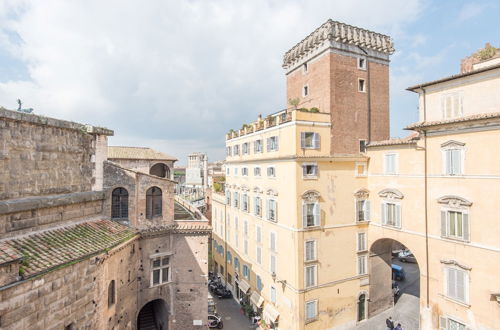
column 215, row 321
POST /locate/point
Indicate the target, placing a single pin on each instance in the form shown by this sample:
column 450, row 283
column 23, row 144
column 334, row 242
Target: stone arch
column 454, row 201
column 311, row 196
column 153, row 315
column 361, row 306
column 160, row 169
column 119, row 203
column 153, row 202
column 391, row 193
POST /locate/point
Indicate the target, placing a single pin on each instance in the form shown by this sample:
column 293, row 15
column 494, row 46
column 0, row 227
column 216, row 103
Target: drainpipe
column 425, row 200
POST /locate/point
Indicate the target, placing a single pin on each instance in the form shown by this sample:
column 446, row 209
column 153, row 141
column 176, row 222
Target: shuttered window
column 309, row 140
column 272, row 241
column 450, row 324
column 259, row 255
column 272, row 264
column 310, row 251
column 311, row 309
column 457, row 284
column 257, row 146
column 455, row 224
column 362, row 265
column 361, row 241
column 271, row 172
column 272, row 210
column 453, row 161
column 273, row 294
column 451, row 105
column 362, row 210
column 272, row 143
column 390, row 164
column 245, row 247
column 391, row 214
column 311, row 214
column 257, row 206
column 310, row 275
column 258, row 234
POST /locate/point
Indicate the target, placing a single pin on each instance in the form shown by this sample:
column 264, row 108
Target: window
column 228, row 151
column 236, row 198
column 160, row 270
column 309, row 170
column 391, row 214
column 244, row 202
column 245, row 247
column 361, row 85
column 271, row 172
column 119, row 203
column 362, row 265
column 455, row 224
column 390, row 163
column 304, row 67
column 361, row 242
column 236, row 264
column 362, row 210
column 310, row 251
column 111, row 293
column 272, row 143
column 361, row 63
column 360, row 169
column 229, row 257
column 256, row 171
column 246, row 272
column 257, row 146
column 228, row 197
column 310, row 276
column 450, row 324
column 236, row 223
column 235, row 171
column 260, row 286
column 257, row 206
column 361, row 307
column 452, row 105
column 309, row 140
column 258, row 234
column 245, row 148
column 153, row 202
column 236, row 150
column 272, row 210
column 453, row 161
column 228, row 171
column 305, row 90
column 272, row 241
column 273, row 294
column 244, row 171
column 161, row 170
column 311, row 310
column 457, row 284
column 272, row 264
column 259, row 255
column 310, row 214
column 362, row 146
column 245, row 228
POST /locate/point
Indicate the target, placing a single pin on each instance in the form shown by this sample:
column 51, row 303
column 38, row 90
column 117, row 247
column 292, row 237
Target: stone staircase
column 147, row 318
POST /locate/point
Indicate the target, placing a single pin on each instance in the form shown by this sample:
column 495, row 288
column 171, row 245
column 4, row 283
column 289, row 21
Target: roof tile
column 137, row 153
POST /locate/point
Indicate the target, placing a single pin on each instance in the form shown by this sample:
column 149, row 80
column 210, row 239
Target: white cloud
column 471, row 10
column 175, row 73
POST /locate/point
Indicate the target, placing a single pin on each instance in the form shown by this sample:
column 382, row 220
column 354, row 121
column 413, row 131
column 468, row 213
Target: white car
column 406, row 256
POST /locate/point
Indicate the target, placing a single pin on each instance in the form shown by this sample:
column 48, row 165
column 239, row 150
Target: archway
column 161, row 170
column 394, row 279
column 153, row 316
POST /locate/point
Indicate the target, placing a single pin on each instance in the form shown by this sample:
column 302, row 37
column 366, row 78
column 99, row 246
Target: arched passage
column 160, row 169
column 153, row 316
column 394, row 278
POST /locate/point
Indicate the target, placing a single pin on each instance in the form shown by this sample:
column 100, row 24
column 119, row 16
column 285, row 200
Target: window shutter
column 451, row 282
column 304, row 215
column 443, row 224
column 460, row 285
column 302, row 140
column 316, row 141
column 268, row 148
column 449, row 166
column 443, row 323
column 317, row 214
column 275, row 211
column 384, row 213
column 315, row 170
column 268, row 209
column 457, row 161
column 277, row 143
column 398, row 215
column 367, row 210
column 357, row 205
column 465, row 220
column 304, row 170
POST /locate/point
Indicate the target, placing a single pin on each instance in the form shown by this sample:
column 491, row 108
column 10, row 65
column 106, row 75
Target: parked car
column 215, row 321
column 395, row 289
column 406, row 256
column 398, row 273
column 395, row 253
column 222, row 293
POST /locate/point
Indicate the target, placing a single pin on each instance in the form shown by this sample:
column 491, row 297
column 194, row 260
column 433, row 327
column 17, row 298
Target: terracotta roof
column 455, row 76
column 424, row 124
column 47, row 250
column 7, row 254
column 411, row 139
column 137, row 153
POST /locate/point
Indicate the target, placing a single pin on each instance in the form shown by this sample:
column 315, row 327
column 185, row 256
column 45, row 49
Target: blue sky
column 177, row 75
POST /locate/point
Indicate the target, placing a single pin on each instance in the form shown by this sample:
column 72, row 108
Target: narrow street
column 231, row 315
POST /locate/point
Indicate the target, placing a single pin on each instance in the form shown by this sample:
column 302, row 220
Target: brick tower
column 343, row 70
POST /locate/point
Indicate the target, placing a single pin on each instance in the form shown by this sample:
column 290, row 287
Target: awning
column 270, row 314
column 244, row 286
column 256, row 299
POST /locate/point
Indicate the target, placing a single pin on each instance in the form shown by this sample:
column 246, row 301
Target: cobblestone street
column 231, row 315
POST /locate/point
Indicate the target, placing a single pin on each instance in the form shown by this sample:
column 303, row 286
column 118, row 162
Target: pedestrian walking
column 390, row 323
column 398, row 327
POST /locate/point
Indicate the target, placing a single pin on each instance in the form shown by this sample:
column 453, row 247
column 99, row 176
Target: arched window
column 119, row 203
column 111, row 293
column 160, row 170
column 361, row 307
column 153, row 202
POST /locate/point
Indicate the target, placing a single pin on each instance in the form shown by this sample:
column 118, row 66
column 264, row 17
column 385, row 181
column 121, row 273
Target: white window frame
column 447, row 272
column 272, row 216
column 271, row 235
column 309, row 176
column 257, row 171
column 257, row 146
column 236, row 199
column 271, row 169
column 315, row 139
column 366, row 211
column 316, row 214
column 245, row 148
column 272, row 143
column 444, row 323
column 236, row 150
column 160, row 268
column 447, row 168
column 245, row 228
column 245, row 246
column 362, row 89
column 272, row 294
column 235, row 171
column 244, row 171
column 247, row 275
column 257, row 206
column 245, row 202
column 445, row 223
column 396, row 163
column 310, row 282
column 362, row 261
column 314, row 250
column 361, row 240
column 356, row 172
column 397, row 213
column 314, row 303
column 361, row 61
column 273, row 268
column 258, row 254
column 258, row 234
column 452, row 98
